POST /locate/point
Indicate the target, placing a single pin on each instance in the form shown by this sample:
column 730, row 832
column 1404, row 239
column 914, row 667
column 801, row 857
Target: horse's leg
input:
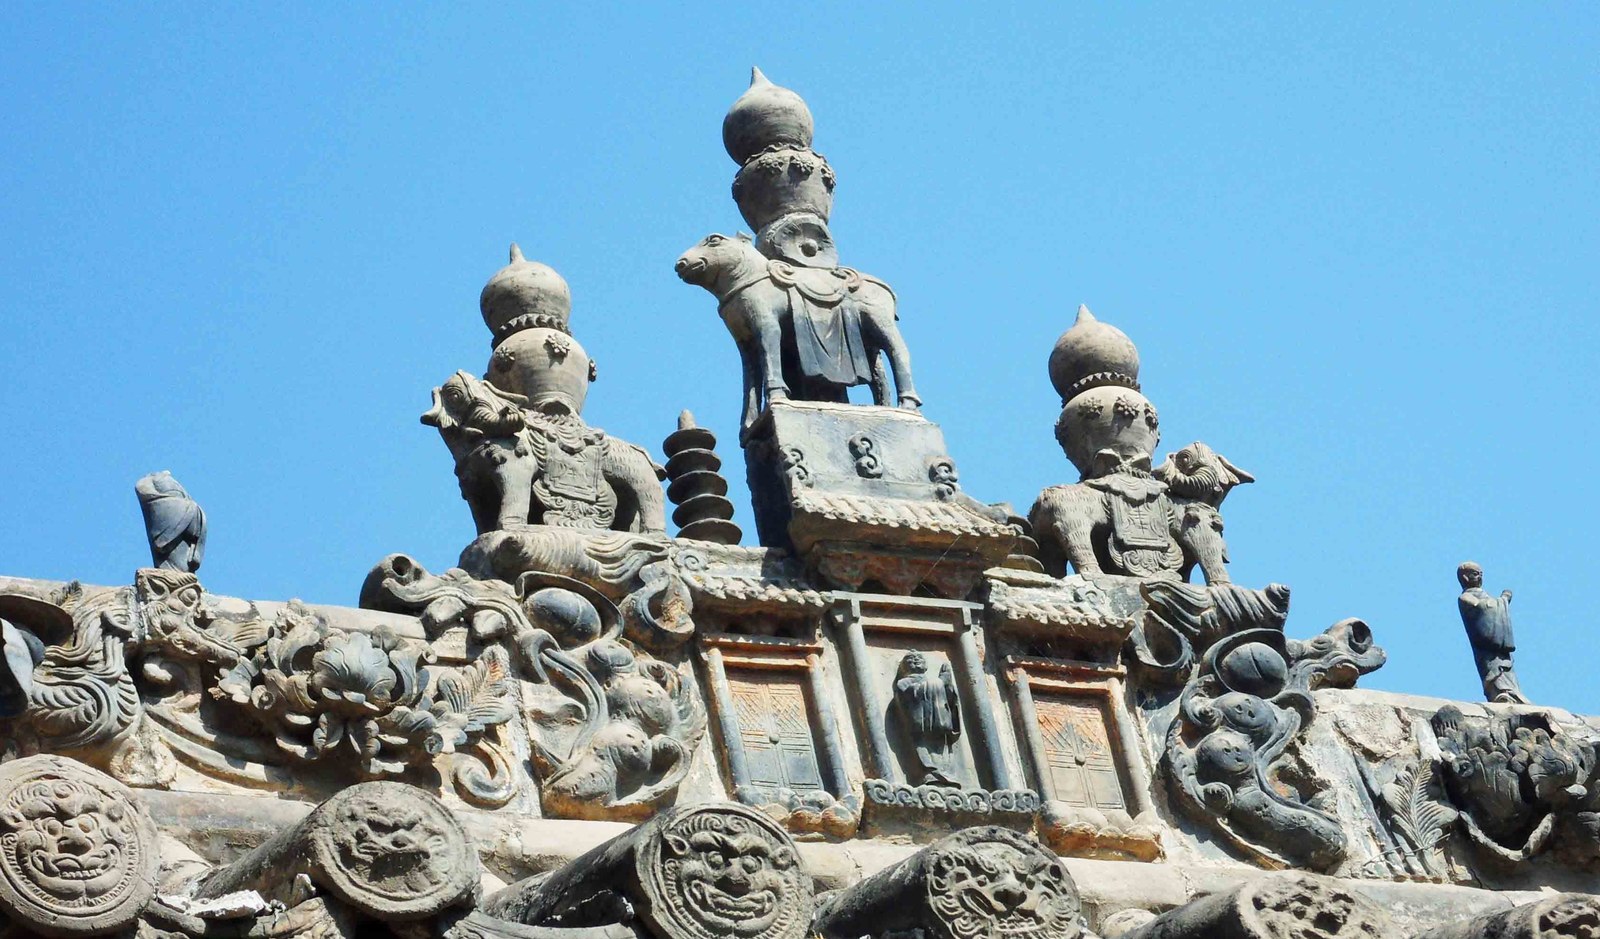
column 880, row 379
column 767, row 325
column 752, row 387
column 886, row 336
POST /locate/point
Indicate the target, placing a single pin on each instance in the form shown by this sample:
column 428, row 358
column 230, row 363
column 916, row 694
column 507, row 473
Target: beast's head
column 466, row 403
column 720, row 263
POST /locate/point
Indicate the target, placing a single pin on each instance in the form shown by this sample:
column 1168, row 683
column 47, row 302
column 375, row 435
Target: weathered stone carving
column 1569, row 916
column 914, row 759
column 356, row 704
column 833, row 324
column 1136, row 531
column 929, row 708
column 1238, row 718
column 694, row 872
column 523, row 454
column 1522, row 783
column 613, row 727
column 780, row 737
column 81, row 698
column 1084, row 753
column 1414, row 818
column 1488, row 623
column 389, row 850
column 1285, row 906
column 173, row 522
column 806, row 328
column 78, row 854
column 695, row 485
column 974, row 884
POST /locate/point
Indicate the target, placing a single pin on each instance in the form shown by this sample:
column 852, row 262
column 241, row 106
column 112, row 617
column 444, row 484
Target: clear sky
column 1357, row 247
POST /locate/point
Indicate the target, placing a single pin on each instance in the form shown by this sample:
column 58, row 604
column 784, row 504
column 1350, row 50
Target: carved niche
column 780, row 736
column 1083, row 751
column 926, row 711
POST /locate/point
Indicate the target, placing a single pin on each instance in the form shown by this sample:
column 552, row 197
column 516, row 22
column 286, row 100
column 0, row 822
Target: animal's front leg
column 768, row 329
column 514, row 474
column 752, row 389
column 888, row 339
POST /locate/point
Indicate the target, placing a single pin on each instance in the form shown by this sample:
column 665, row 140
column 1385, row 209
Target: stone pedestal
column 869, row 495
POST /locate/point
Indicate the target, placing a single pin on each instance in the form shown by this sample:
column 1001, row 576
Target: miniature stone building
column 904, row 711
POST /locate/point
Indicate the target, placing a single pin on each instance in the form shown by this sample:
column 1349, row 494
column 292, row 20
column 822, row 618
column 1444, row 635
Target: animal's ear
column 744, row 237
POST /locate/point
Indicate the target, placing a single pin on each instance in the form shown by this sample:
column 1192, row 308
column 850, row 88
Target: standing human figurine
column 930, row 707
column 1488, row 622
column 174, row 523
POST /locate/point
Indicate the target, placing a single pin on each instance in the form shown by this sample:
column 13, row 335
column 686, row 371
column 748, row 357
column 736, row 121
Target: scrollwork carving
column 1238, row 718
column 612, row 727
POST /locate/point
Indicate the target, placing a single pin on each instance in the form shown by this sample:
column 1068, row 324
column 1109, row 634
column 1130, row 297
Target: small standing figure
column 174, row 523
column 1488, row 622
column 930, row 710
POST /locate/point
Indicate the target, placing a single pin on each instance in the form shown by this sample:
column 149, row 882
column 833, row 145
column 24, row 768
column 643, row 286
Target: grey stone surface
column 1279, row 907
column 977, row 882
column 174, row 523
column 388, row 850
column 1487, row 619
column 78, row 852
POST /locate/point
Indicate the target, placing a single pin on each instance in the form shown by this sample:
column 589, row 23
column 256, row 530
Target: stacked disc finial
column 695, row 485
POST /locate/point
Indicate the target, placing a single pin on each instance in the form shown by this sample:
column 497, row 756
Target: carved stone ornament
column 1569, row 916
column 780, row 737
column 1487, row 619
column 975, row 884
column 388, row 850
column 806, row 328
column 613, row 728
column 78, row 854
column 1285, row 906
column 708, row 871
column 1521, row 784
column 1237, row 720
column 174, row 523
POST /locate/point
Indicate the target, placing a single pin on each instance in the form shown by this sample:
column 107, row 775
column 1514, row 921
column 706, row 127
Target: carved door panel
column 1083, row 770
column 775, row 731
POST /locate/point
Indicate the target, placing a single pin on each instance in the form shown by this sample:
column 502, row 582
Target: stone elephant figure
column 757, row 298
column 496, row 443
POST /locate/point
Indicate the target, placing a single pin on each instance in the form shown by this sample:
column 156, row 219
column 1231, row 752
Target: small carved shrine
column 904, row 710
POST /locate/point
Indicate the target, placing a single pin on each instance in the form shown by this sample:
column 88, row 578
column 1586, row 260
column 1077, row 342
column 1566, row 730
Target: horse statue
column 802, row 332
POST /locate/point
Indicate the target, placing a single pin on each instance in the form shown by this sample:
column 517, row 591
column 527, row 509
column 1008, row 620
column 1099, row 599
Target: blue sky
column 1357, row 247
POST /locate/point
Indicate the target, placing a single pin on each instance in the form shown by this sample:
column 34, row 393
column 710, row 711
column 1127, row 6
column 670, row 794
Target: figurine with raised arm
column 1488, row 622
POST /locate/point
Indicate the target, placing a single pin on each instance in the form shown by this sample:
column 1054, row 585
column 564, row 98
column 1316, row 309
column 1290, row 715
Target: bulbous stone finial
column 522, row 295
column 1090, row 354
column 764, row 115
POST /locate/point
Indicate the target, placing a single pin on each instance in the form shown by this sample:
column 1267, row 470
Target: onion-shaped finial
column 766, row 114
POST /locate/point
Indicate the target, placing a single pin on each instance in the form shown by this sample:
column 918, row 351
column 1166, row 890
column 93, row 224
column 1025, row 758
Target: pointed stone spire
column 695, row 484
column 516, row 254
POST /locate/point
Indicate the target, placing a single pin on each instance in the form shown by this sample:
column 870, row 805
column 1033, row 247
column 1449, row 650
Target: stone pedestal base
column 869, row 494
